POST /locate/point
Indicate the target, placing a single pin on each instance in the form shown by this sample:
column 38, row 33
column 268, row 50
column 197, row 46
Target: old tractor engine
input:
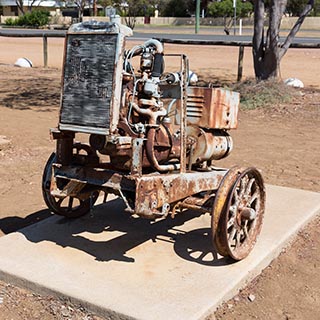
column 149, row 137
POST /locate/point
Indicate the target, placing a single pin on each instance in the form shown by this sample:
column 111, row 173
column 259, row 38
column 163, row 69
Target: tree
column 105, row 3
column 179, row 8
column 225, row 9
column 267, row 49
column 30, row 5
column 294, row 7
column 130, row 9
column 81, row 5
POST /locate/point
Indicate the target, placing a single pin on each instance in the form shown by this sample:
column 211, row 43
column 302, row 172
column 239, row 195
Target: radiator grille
column 88, row 80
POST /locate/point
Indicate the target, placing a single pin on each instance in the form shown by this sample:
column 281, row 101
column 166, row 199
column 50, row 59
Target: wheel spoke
column 236, row 196
column 233, row 209
column 243, row 185
column 59, row 202
column 70, row 203
column 249, row 186
column 245, row 229
column 238, row 239
column 232, row 233
column 230, row 222
column 254, row 197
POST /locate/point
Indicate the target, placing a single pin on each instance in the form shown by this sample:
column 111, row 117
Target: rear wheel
column 67, row 206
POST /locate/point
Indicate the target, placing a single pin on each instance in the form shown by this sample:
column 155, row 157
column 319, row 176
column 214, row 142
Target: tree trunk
column 267, row 50
column 258, row 38
column 266, row 54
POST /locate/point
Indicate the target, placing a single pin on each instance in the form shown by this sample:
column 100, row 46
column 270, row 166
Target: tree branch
column 19, row 4
column 285, row 46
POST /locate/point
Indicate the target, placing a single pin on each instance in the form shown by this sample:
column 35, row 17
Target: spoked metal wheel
column 67, row 206
column 238, row 212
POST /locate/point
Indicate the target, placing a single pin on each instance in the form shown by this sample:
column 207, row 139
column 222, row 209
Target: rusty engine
column 150, row 137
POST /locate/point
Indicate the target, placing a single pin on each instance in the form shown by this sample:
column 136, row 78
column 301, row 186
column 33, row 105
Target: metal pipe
column 197, row 16
column 151, row 156
column 156, row 43
column 183, row 113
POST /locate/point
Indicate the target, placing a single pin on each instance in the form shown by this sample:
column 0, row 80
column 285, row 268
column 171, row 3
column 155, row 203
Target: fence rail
column 61, row 34
column 29, row 34
column 240, row 44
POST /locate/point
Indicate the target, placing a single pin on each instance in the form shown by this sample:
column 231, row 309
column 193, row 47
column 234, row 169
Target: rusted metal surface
column 155, row 191
column 208, row 144
column 152, row 192
column 213, row 108
column 96, row 176
column 152, row 140
column 137, row 149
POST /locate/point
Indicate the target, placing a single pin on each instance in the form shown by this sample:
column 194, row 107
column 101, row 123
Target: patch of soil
column 281, row 140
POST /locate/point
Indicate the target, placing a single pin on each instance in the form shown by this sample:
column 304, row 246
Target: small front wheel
column 67, row 206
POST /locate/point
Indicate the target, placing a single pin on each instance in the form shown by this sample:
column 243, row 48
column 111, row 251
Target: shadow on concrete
column 13, row 224
column 129, row 233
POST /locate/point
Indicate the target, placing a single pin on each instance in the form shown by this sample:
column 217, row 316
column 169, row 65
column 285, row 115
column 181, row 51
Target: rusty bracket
column 137, row 148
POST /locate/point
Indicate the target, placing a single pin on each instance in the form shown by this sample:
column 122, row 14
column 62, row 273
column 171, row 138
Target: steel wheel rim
column 70, row 207
column 242, row 220
column 219, row 207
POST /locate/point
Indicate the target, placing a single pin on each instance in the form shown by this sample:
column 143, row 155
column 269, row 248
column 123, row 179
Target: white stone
column 251, row 297
column 23, row 63
column 193, row 78
column 294, row 82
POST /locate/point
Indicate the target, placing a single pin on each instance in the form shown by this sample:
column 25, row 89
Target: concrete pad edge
column 42, row 290
column 265, row 262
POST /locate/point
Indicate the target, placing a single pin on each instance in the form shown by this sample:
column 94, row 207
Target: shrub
column 35, row 18
column 10, row 22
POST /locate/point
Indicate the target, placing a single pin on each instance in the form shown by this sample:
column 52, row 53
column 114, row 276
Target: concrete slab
column 127, row 268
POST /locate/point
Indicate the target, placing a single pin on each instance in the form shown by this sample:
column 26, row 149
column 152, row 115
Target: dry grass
column 264, row 93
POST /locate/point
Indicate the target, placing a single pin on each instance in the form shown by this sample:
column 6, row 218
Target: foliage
column 143, row 8
column 295, row 7
column 10, row 22
column 267, row 93
column 131, row 9
column 179, row 8
column 225, row 8
column 36, row 18
column 105, row 3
